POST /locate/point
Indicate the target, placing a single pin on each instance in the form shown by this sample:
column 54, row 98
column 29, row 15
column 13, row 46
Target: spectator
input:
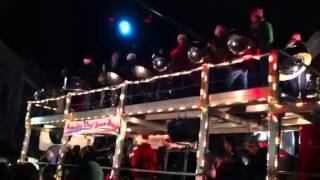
column 47, row 173
column 89, row 170
column 212, row 162
column 68, row 155
column 257, row 164
column 26, row 171
column 231, row 166
column 87, row 153
column 76, row 153
column 144, row 157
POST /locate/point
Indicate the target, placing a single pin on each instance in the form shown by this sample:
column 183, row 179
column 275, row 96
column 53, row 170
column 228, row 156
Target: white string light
column 235, row 61
column 46, row 107
column 47, row 100
column 170, row 109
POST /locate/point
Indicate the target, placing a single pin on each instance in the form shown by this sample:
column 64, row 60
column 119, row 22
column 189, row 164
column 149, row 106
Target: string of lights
column 48, row 122
column 238, row 60
column 278, row 108
column 169, row 75
column 46, row 107
column 107, row 88
column 171, row 109
column 165, row 76
column 47, row 100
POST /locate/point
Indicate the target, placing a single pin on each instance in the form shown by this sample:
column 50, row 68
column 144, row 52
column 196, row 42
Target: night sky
column 57, row 33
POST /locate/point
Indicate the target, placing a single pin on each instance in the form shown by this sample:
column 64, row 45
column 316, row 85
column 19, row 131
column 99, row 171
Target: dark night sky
column 57, row 33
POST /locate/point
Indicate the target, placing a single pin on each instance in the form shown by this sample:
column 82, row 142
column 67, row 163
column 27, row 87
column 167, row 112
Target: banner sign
column 105, row 125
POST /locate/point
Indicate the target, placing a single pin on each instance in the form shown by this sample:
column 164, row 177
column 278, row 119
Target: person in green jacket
column 262, row 32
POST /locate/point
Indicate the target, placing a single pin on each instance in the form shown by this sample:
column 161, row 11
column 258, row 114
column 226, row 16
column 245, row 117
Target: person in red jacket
column 180, row 62
column 144, row 157
column 179, row 54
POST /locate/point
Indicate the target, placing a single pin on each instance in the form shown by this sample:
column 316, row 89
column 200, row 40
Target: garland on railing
column 169, row 75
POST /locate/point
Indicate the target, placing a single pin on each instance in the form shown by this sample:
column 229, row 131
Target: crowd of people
column 250, row 164
column 84, row 168
column 237, row 162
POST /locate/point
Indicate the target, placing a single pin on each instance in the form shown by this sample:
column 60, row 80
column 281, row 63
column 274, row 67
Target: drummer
column 296, row 87
column 226, row 78
column 114, row 67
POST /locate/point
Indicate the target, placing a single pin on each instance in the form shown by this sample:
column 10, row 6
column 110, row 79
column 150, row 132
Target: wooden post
column 25, row 146
column 274, row 125
column 204, row 122
column 121, row 135
column 64, row 140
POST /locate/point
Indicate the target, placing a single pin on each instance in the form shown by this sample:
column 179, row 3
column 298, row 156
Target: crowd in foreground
column 234, row 163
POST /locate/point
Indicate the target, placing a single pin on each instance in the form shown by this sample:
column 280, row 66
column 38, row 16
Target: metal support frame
column 236, row 120
column 65, row 138
column 122, row 134
column 146, row 124
column 25, row 146
column 204, row 121
column 274, row 125
column 185, row 162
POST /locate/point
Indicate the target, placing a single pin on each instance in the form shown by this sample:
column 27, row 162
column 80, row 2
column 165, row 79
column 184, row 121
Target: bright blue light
column 125, row 28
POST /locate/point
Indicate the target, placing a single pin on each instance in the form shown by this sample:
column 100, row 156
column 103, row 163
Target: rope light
column 235, row 61
column 46, row 107
column 239, row 60
column 160, row 110
column 183, row 108
column 47, row 100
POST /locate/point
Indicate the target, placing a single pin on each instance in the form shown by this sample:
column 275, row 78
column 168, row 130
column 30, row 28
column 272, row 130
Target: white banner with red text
column 105, row 125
